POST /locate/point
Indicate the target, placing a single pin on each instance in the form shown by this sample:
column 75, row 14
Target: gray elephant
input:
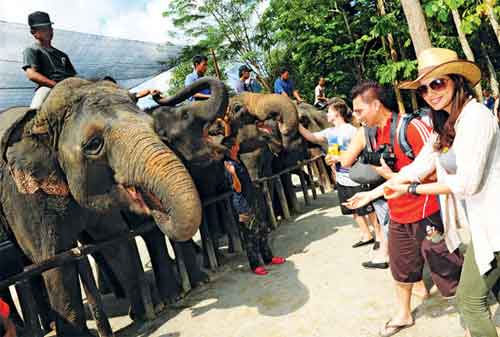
column 83, row 156
column 267, row 148
column 184, row 127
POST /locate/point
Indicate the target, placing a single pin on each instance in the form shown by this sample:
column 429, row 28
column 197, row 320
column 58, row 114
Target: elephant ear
column 34, row 168
column 31, row 164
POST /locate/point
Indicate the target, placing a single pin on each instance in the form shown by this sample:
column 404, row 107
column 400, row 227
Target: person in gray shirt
column 44, row 64
column 243, row 84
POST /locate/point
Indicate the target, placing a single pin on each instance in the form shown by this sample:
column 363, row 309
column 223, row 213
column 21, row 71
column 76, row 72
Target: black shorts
column 345, row 192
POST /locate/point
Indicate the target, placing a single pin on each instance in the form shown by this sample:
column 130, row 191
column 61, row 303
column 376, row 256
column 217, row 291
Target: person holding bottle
column 338, row 138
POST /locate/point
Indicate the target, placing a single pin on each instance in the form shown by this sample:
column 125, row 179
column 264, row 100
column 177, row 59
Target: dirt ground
column 322, row 290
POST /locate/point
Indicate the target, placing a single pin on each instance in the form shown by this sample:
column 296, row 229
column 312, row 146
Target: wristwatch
column 412, row 188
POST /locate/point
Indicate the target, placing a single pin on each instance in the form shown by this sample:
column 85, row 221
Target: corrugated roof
column 130, row 62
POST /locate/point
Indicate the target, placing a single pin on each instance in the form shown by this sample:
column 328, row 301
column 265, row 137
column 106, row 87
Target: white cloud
column 121, row 19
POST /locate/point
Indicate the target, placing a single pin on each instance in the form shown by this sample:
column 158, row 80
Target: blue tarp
column 129, row 62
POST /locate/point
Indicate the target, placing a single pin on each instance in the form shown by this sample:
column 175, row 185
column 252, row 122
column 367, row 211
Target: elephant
column 184, row 128
column 265, row 146
column 71, row 167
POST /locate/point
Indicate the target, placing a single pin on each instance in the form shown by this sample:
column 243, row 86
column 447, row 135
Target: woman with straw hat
column 464, row 152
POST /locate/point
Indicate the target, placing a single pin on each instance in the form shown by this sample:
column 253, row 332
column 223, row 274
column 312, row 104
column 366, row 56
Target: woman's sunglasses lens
column 436, row 85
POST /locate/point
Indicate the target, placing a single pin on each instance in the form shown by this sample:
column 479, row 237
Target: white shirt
column 477, row 181
column 342, row 136
column 319, row 91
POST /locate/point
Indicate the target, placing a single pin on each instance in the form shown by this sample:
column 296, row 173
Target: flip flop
column 363, row 243
column 393, row 328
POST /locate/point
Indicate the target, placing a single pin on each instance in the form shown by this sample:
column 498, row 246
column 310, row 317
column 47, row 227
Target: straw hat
column 435, row 62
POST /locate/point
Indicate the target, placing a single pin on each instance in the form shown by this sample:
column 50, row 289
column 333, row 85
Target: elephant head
column 184, row 127
column 90, row 141
column 263, row 111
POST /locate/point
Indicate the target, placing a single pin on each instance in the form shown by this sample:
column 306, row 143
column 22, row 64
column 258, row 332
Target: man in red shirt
column 415, row 228
column 9, row 329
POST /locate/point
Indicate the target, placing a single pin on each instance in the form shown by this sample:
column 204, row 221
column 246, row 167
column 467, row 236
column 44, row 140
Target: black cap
column 243, row 68
column 39, row 19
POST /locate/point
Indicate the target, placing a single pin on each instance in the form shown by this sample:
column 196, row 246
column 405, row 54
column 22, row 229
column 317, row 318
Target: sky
column 131, row 19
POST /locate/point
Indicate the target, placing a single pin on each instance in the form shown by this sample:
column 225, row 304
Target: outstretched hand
column 358, row 200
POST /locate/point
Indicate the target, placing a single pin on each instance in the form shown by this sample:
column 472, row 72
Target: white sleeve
column 475, row 138
column 423, row 165
column 317, row 91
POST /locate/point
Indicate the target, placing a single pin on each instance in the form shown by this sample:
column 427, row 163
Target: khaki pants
column 39, row 97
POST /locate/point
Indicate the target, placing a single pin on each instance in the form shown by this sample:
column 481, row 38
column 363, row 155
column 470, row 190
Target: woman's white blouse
column 477, row 181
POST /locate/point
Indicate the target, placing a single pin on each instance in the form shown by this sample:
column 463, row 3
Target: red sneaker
column 260, row 271
column 277, row 260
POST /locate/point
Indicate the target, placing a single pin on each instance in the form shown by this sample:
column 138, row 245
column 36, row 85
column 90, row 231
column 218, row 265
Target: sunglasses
column 438, row 84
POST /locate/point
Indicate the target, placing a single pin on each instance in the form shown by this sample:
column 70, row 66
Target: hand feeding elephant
column 183, row 128
column 87, row 151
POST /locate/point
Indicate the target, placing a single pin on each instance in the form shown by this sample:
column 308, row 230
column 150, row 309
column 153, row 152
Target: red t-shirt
column 4, row 309
column 409, row 208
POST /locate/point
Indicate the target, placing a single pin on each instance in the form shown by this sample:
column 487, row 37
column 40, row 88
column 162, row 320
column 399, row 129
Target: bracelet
column 412, row 188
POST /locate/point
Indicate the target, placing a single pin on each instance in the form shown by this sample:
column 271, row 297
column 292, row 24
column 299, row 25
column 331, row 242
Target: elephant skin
column 65, row 168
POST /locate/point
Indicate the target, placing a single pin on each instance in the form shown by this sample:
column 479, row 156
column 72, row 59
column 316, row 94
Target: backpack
column 404, row 145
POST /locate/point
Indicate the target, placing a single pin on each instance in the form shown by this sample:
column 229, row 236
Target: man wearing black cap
column 44, row 64
column 243, row 84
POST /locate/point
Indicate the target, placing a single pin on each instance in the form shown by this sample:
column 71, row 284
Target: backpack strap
column 370, row 138
column 394, row 127
column 402, row 140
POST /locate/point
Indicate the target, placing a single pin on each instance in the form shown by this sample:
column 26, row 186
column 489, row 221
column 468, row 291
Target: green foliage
column 392, row 71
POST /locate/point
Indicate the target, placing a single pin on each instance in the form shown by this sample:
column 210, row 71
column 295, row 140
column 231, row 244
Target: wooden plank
column 208, row 244
column 311, row 181
column 233, row 229
column 303, row 185
column 28, row 305
column 282, row 198
column 269, row 203
column 94, row 298
column 181, row 266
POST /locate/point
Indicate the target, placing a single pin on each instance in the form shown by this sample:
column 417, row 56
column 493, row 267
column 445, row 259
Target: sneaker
column 260, row 271
column 277, row 260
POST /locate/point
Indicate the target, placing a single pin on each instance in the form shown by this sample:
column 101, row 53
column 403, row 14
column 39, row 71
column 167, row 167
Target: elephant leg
column 163, row 266
column 196, row 275
column 290, row 194
column 66, row 301
column 41, row 298
column 121, row 261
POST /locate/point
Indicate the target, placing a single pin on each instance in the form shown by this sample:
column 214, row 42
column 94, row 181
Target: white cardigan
column 477, row 181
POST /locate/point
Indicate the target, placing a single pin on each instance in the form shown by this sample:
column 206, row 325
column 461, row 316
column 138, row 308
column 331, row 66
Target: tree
column 228, row 26
column 416, row 22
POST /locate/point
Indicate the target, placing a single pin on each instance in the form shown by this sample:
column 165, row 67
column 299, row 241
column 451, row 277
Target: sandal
column 392, row 329
column 363, row 243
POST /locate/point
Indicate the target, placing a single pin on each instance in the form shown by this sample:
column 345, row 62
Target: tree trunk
column 491, row 70
column 416, row 22
column 494, row 22
column 394, row 57
column 465, row 46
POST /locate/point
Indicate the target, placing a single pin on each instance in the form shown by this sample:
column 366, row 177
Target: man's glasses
column 438, row 84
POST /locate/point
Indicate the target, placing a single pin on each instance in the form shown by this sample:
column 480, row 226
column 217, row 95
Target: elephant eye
column 94, row 145
column 237, row 108
column 185, row 115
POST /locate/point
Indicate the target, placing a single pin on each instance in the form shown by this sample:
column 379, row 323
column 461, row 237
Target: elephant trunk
column 156, row 181
column 208, row 109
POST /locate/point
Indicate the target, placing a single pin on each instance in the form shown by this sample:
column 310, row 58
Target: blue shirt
column 190, row 79
column 283, row 86
column 489, row 102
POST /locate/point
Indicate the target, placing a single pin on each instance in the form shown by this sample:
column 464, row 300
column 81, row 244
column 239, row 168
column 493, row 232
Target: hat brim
column 37, row 25
column 469, row 70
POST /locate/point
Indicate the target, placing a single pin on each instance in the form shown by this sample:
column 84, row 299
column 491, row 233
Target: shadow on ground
column 233, row 285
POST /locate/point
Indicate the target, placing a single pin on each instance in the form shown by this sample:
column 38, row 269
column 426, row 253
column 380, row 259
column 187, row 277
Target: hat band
column 41, row 24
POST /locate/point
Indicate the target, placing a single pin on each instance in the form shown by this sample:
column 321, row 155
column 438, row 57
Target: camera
column 373, row 158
